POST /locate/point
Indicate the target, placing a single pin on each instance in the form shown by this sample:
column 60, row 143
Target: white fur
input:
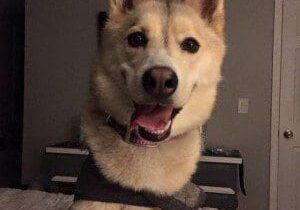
column 166, row 168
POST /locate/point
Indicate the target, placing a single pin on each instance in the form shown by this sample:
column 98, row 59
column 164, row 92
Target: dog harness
column 92, row 185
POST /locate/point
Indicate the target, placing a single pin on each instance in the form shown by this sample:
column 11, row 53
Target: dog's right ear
column 120, row 6
column 212, row 11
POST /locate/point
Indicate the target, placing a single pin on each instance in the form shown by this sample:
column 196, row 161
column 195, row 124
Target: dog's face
column 155, row 56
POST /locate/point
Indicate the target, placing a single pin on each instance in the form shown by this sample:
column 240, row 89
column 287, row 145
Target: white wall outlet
column 243, row 105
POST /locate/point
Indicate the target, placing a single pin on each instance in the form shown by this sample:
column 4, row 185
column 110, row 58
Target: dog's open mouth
column 151, row 124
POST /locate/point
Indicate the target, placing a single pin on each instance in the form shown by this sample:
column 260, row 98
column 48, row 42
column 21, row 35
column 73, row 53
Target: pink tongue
column 153, row 117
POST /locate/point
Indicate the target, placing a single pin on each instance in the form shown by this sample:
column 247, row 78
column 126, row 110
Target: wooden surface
column 12, row 199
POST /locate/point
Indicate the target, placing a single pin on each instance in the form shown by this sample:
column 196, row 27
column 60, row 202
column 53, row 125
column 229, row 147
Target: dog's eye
column 190, row 45
column 137, row 39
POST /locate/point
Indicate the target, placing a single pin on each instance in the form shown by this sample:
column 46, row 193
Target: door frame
column 276, row 84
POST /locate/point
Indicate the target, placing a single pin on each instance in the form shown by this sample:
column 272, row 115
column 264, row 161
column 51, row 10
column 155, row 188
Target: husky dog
column 153, row 86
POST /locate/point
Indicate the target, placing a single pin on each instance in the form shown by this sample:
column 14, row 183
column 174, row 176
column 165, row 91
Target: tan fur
column 166, row 168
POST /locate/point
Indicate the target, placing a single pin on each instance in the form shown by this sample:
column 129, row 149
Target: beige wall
column 61, row 40
column 247, row 74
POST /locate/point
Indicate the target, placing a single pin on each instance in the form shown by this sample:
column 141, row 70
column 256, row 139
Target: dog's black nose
column 160, row 82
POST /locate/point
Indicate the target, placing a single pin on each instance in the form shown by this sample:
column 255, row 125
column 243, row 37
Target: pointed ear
column 211, row 11
column 120, row 6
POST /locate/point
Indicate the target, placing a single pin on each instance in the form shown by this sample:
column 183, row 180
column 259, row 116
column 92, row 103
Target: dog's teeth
column 157, row 132
column 152, row 131
column 168, row 125
column 160, row 131
column 141, row 142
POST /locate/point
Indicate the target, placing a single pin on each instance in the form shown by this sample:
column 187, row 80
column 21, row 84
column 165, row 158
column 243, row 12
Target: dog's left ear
column 212, row 11
column 119, row 8
column 121, row 5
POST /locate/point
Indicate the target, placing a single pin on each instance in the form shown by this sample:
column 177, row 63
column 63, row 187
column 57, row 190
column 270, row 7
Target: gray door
column 289, row 140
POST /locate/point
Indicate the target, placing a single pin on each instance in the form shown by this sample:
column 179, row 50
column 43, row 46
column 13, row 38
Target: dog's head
column 158, row 57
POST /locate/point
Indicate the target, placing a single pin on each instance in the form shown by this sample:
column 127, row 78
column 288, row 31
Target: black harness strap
column 93, row 186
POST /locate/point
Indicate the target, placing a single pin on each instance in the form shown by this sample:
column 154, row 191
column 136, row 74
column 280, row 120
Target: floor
column 12, row 199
